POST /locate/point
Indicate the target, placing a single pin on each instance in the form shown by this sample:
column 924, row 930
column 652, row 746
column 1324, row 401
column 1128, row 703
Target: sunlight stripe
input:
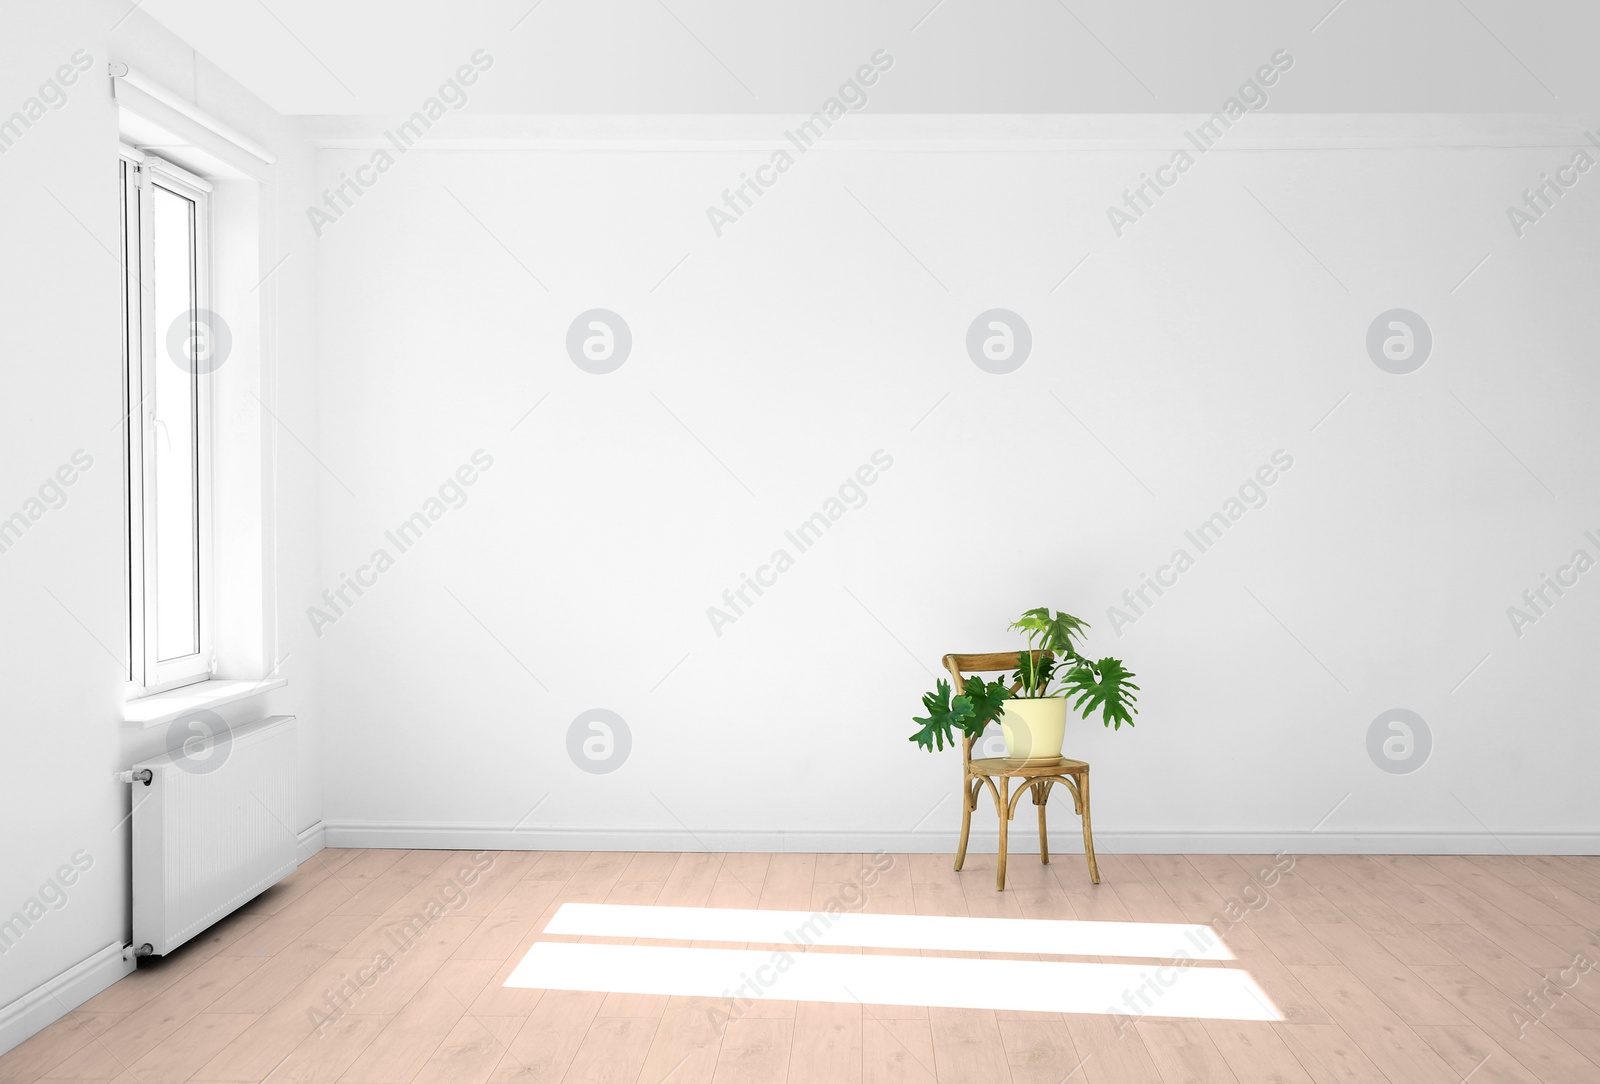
column 1157, row 940
column 1193, row 992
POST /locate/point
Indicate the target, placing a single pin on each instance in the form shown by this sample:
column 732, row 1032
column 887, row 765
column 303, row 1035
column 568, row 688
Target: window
column 167, row 389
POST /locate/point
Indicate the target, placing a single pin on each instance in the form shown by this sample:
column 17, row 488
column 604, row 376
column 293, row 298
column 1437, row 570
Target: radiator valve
column 143, row 775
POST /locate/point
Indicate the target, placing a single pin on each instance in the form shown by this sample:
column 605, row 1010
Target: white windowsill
column 164, row 707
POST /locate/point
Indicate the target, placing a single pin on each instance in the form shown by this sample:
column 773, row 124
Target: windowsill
column 164, row 707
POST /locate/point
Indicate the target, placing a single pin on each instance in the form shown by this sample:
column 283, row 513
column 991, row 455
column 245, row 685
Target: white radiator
column 213, row 828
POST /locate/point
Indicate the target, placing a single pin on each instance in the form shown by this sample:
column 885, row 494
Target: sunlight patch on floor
column 1168, row 986
column 1053, row 937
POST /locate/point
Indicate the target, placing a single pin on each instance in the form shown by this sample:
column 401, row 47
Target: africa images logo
column 52, row 95
column 850, row 97
column 1252, row 97
column 1251, row 494
column 451, row 96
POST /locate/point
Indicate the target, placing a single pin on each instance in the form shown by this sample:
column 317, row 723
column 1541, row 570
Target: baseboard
column 44, row 1005
column 849, row 841
column 312, row 840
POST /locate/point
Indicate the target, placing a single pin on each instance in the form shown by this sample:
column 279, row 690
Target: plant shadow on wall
column 1050, row 675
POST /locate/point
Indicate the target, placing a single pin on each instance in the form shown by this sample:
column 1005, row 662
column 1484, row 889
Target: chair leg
column 1005, row 820
column 1088, row 832
column 1041, row 795
column 969, row 798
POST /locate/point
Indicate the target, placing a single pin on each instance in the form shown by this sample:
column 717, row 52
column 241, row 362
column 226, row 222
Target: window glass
column 175, row 409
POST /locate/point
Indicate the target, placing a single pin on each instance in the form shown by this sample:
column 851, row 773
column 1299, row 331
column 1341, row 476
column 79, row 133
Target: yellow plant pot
column 1034, row 726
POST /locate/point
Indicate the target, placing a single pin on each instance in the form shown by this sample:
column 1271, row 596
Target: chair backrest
column 988, row 662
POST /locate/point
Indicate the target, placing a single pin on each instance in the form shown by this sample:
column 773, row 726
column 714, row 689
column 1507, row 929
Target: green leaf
column 988, row 700
column 942, row 716
column 1053, row 631
column 1106, row 686
column 1036, row 620
column 1034, row 672
column 968, row 712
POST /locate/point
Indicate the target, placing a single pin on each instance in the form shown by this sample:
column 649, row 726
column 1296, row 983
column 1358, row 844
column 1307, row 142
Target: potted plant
column 1050, row 675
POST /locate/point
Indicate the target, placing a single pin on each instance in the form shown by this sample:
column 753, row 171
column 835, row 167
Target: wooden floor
column 1407, row 970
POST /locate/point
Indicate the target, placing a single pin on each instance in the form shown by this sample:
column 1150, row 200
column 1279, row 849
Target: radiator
column 213, row 825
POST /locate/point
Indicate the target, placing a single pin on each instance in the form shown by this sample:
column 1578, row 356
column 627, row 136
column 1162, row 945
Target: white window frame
column 143, row 350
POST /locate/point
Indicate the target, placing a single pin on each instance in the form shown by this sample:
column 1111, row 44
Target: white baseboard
column 849, row 841
column 312, row 840
column 44, row 1005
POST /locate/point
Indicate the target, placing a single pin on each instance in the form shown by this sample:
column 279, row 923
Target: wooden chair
column 1036, row 776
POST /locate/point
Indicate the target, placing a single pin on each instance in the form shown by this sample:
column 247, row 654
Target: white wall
column 1001, row 56
column 61, row 585
column 825, row 325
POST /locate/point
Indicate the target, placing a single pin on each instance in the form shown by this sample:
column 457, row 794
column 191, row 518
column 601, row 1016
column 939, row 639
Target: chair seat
column 1017, row 767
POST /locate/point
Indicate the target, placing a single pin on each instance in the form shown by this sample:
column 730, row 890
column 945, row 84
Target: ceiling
column 949, row 56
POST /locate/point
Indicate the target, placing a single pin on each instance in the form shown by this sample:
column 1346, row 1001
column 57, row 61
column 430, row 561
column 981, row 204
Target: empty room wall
column 1220, row 338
